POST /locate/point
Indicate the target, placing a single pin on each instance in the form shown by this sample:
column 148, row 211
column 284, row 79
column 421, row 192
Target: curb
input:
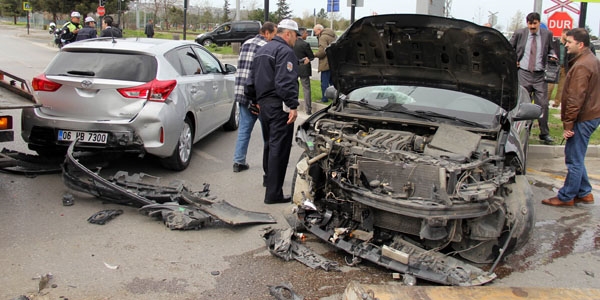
column 537, row 151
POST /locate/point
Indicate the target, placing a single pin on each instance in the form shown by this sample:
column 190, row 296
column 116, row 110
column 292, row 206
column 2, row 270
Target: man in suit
column 533, row 45
column 305, row 56
column 149, row 30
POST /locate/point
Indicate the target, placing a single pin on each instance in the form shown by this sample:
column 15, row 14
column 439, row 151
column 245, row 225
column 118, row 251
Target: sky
column 476, row 11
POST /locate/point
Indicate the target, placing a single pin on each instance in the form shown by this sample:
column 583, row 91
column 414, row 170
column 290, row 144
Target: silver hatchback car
column 131, row 95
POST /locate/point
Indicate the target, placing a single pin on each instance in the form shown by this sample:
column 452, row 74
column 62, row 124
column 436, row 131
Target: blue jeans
column 577, row 183
column 325, row 83
column 247, row 121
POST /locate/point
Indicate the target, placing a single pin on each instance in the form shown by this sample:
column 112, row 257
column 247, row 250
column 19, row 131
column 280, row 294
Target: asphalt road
column 136, row 257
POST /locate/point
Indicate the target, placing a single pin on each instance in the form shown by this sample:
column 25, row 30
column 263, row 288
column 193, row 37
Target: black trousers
column 278, row 143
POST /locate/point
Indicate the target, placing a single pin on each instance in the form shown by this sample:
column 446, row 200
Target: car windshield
column 430, row 104
column 117, row 66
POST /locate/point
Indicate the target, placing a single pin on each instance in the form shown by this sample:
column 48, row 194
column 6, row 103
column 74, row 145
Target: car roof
column 147, row 45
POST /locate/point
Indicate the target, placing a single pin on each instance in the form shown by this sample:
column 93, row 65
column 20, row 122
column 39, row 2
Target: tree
column 206, row 19
column 283, row 11
column 322, row 14
column 11, row 8
column 517, row 21
column 176, row 16
column 226, row 12
column 259, row 15
column 165, row 5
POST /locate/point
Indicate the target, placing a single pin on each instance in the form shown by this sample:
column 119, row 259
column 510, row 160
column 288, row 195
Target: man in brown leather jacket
column 580, row 114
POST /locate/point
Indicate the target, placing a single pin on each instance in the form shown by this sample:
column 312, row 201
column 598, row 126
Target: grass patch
column 224, row 50
column 315, row 91
column 556, row 130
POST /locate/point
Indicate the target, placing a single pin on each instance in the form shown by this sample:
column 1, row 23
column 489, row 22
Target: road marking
column 207, row 156
column 562, row 178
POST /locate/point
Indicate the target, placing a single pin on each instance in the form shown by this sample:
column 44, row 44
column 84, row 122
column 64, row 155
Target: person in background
column 563, row 60
column 533, row 46
column 72, row 27
column 326, row 36
column 149, row 30
column 580, row 115
column 88, row 31
column 273, row 85
column 248, row 111
column 305, row 56
column 108, row 30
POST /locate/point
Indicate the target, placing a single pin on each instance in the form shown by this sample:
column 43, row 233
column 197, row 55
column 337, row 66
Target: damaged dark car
column 419, row 164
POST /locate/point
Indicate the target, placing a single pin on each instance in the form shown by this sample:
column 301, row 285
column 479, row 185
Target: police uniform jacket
column 86, row 32
column 274, row 74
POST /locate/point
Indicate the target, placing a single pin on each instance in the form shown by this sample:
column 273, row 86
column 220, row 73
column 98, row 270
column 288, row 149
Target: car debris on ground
column 177, row 205
column 283, row 244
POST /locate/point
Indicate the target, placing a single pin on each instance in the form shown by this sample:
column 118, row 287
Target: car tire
column 207, row 42
column 234, row 119
column 180, row 159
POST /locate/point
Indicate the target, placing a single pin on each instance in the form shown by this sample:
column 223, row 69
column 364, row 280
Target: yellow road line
column 562, row 178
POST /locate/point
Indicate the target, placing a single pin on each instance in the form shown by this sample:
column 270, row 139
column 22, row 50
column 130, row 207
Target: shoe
column 285, row 199
column 240, row 167
column 588, row 199
column 546, row 139
column 554, row 201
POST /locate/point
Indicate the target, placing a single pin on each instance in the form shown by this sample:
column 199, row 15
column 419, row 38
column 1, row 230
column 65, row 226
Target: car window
column 209, row 63
column 117, row 66
column 423, row 97
column 185, row 61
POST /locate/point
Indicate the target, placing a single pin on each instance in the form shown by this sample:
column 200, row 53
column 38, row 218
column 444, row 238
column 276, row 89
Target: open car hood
column 423, row 50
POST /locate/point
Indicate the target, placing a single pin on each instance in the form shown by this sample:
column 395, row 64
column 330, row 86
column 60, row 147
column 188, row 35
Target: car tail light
column 6, row 122
column 41, row 83
column 155, row 90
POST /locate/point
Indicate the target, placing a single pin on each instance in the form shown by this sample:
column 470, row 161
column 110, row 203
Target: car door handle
column 193, row 90
column 215, row 87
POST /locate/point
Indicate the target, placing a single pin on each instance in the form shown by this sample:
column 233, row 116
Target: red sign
column 558, row 21
column 100, row 10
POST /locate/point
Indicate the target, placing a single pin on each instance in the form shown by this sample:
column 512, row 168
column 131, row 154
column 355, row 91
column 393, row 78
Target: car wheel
column 207, row 42
column 234, row 119
column 180, row 159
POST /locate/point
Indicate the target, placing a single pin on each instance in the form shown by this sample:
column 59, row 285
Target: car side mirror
column 330, row 93
column 527, row 111
column 230, row 68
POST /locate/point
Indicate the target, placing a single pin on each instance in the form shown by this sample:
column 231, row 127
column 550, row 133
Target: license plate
column 83, row 136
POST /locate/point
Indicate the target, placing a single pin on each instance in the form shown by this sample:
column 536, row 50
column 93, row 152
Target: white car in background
column 146, row 96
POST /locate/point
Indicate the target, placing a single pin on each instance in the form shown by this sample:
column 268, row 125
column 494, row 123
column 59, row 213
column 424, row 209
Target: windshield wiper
column 364, row 103
column 84, row 73
column 398, row 108
column 453, row 118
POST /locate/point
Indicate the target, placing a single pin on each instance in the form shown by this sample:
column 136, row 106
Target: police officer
column 89, row 31
column 273, row 85
column 72, row 27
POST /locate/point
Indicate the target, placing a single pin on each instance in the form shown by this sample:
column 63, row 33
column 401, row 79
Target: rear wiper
column 453, row 118
column 84, row 73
